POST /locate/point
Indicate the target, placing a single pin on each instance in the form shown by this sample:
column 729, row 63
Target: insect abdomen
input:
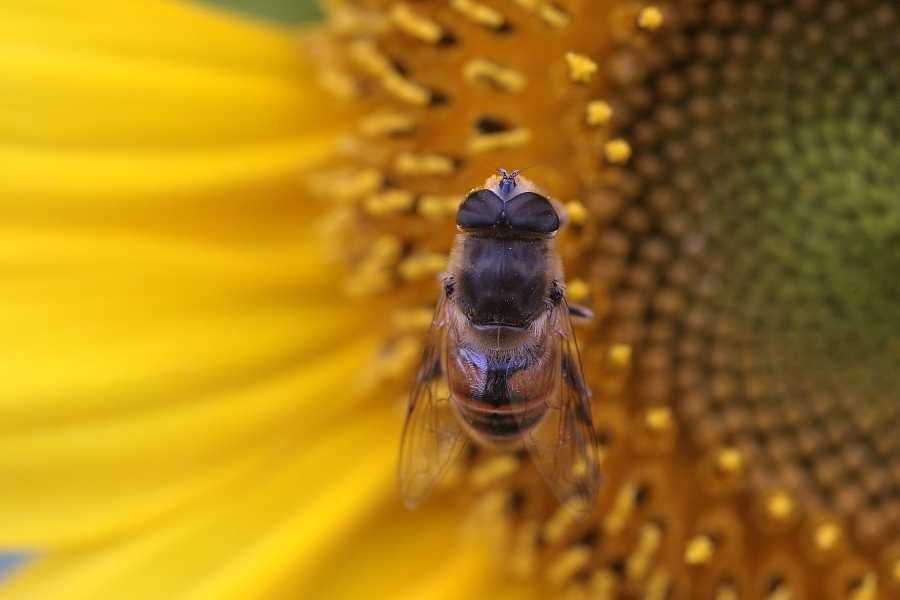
column 493, row 397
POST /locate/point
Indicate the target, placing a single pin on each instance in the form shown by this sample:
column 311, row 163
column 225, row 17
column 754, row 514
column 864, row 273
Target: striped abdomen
column 498, row 398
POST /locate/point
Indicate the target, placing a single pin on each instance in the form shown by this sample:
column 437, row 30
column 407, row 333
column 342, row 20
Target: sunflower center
column 759, row 250
column 730, row 170
column 812, row 237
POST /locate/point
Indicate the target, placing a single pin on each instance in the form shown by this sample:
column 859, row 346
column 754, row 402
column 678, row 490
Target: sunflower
column 178, row 412
column 200, row 402
column 730, row 169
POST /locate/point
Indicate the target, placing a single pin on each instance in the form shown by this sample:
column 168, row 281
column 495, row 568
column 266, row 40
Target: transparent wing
column 564, row 444
column 432, row 436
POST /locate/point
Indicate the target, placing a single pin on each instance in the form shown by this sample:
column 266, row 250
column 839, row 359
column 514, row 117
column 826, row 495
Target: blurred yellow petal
column 156, row 118
column 56, row 253
column 179, row 411
column 54, row 177
column 147, row 97
column 729, row 170
column 217, row 343
column 164, row 285
column 122, row 29
column 172, row 443
column 410, row 555
column 253, row 532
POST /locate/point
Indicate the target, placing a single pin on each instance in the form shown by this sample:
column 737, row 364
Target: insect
column 500, row 365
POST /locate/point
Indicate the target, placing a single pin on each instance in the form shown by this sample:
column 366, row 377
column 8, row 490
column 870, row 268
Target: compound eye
column 532, row 213
column 480, row 210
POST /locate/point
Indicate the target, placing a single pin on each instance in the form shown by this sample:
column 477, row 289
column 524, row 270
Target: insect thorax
column 503, row 281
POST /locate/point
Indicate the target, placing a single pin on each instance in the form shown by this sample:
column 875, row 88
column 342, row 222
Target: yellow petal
column 257, row 530
column 162, row 103
column 168, row 311
column 299, row 531
column 72, row 482
column 52, row 177
column 53, row 255
column 124, row 102
column 409, row 556
column 157, row 28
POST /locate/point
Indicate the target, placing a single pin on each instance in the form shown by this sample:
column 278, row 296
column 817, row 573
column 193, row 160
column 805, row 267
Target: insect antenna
column 508, row 178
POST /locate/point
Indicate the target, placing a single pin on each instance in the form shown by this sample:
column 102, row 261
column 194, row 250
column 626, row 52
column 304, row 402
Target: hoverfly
column 500, row 365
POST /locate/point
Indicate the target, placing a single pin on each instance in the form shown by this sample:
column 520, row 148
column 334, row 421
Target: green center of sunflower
column 760, row 248
column 820, row 199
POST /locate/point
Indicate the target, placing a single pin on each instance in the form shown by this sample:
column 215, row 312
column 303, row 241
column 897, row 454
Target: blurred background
column 285, row 11
column 291, row 12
